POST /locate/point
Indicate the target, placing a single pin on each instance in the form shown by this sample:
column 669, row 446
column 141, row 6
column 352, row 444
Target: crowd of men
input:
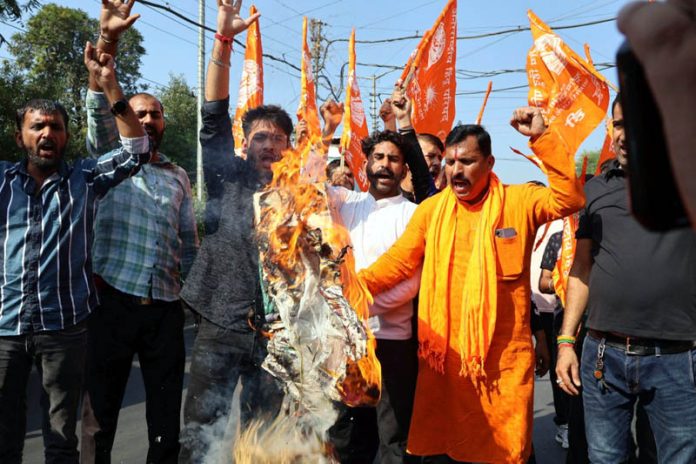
column 99, row 259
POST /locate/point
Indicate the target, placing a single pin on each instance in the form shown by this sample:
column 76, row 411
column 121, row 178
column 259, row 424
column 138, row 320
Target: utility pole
column 373, row 98
column 316, row 36
column 201, row 92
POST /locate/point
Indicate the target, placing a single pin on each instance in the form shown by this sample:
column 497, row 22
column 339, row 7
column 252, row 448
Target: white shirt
column 544, row 302
column 374, row 225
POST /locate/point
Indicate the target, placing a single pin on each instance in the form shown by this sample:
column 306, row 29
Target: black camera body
column 655, row 200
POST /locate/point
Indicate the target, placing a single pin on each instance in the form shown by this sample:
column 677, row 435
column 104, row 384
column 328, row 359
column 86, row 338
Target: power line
column 209, row 29
column 480, row 36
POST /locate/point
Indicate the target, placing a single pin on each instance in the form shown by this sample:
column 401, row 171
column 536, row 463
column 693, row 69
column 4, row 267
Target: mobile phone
column 654, row 198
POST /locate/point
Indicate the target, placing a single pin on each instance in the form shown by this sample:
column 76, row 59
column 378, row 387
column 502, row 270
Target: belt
column 642, row 346
column 135, row 300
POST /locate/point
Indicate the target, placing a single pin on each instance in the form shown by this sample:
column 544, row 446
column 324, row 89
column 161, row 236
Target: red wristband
column 222, row 38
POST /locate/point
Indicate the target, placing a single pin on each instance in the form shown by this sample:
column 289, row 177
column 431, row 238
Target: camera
column 654, row 198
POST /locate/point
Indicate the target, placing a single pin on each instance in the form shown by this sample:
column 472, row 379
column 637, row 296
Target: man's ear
column 405, row 172
column 18, row 139
column 490, row 161
column 244, row 147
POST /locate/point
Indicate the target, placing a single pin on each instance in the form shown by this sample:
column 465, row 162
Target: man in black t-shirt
column 639, row 290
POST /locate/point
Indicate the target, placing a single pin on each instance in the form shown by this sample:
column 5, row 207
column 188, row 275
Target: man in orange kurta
column 474, row 394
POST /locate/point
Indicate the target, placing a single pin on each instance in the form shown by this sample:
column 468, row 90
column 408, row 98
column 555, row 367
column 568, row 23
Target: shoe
column 562, row 436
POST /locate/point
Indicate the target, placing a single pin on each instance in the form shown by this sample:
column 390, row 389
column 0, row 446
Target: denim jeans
column 665, row 386
column 60, row 358
column 220, row 358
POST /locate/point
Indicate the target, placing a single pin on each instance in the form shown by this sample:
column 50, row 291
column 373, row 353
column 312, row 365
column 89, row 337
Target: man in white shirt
column 375, row 219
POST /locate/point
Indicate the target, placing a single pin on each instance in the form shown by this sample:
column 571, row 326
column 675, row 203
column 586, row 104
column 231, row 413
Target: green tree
column 180, row 113
column 49, row 59
column 12, row 10
column 592, row 158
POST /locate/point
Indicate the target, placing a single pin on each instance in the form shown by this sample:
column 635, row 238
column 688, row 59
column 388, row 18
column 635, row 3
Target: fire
column 321, row 347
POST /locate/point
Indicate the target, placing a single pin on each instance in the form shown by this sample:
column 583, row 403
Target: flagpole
column 485, row 101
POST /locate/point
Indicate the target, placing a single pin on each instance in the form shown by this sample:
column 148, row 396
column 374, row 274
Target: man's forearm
column 102, row 134
column 421, row 179
column 109, row 47
column 127, row 123
column 576, row 302
column 217, row 84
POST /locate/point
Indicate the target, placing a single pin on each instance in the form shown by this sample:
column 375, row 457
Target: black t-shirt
column 642, row 283
column 553, row 246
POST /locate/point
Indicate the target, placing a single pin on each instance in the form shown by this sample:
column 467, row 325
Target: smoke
column 215, row 441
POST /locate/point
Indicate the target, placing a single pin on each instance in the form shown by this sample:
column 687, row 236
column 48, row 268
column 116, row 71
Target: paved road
column 130, row 446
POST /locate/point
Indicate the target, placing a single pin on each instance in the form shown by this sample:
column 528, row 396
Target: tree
column 11, row 10
column 49, row 59
column 180, row 113
column 592, row 158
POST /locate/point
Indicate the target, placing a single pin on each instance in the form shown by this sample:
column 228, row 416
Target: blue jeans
column 664, row 385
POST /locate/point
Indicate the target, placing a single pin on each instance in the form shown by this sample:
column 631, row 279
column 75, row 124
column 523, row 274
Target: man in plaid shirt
column 146, row 243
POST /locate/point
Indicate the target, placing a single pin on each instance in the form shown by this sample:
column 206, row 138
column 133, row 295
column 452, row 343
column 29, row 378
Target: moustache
column 385, row 173
column 459, row 178
column 46, row 145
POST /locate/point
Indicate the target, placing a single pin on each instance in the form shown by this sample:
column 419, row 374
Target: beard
column 43, row 163
column 155, row 137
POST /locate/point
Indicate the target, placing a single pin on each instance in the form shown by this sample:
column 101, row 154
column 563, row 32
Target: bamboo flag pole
column 591, row 63
column 485, row 100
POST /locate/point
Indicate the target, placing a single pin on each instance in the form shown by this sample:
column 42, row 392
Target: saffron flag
column 354, row 123
column 429, row 76
column 251, row 84
column 607, row 150
column 533, row 158
column 568, row 243
column 572, row 95
column 307, row 110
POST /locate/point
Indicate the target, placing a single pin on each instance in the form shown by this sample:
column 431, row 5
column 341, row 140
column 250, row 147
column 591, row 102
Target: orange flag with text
column 573, row 98
column 429, row 76
column 568, row 243
column 307, row 110
column 607, row 152
column 572, row 95
column 354, row 122
column 251, row 84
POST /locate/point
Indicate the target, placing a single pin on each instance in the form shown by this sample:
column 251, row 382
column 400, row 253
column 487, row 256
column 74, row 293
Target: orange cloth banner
column 307, row 110
column 568, row 244
column 429, row 76
column 251, row 84
column 533, row 158
column 572, row 95
column 607, row 151
column 354, row 123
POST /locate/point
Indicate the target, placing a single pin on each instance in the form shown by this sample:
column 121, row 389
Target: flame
column 286, row 228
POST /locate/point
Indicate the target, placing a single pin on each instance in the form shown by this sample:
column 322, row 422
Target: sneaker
column 562, row 436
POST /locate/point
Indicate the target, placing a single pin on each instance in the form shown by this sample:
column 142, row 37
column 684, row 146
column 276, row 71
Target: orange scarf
column 479, row 301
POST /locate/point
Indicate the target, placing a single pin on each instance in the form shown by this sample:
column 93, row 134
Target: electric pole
column 316, row 35
column 373, row 103
column 201, row 92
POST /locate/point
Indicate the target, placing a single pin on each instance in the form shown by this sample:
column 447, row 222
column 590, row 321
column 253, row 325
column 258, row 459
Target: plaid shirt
column 146, row 237
column 46, row 235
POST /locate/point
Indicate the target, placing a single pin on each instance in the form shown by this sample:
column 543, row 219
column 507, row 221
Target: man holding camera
column 641, row 325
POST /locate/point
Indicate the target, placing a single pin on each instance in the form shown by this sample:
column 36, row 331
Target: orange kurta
column 491, row 423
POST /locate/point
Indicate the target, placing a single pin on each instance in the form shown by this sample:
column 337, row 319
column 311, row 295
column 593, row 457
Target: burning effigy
column 320, row 347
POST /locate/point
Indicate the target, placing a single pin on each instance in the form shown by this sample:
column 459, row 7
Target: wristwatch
column 119, row 107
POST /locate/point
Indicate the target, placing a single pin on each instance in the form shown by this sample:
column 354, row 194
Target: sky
column 172, row 48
